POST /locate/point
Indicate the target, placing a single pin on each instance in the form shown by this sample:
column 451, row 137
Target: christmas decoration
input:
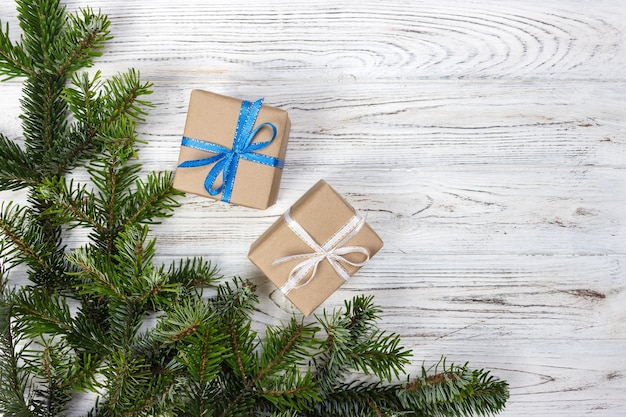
column 232, row 150
column 79, row 325
column 315, row 247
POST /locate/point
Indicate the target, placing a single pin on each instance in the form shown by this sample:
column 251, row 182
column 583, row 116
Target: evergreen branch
column 126, row 379
column 41, row 22
column 125, row 319
column 78, row 146
column 289, row 413
column 105, row 112
column 13, row 61
column 40, row 312
column 44, row 111
column 111, row 202
column 354, row 343
column 80, row 41
column 182, row 321
column 15, row 167
column 90, row 335
column 290, row 390
column 285, row 346
column 13, row 378
column 241, row 337
column 26, row 242
column 81, row 374
column 151, row 199
column 238, row 350
column 202, row 356
column 363, row 314
column 113, row 179
column 209, row 356
column 44, row 120
column 381, row 355
column 133, row 256
column 49, row 360
column 96, row 274
column 83, row 101
column 122, row 94
column 455, row 391
column 191, row 273
column 236, row 301
column 70, row 205
column 360, row 399
column 153, row 402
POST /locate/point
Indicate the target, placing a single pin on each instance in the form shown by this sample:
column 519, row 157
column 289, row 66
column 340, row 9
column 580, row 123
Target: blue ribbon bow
column 227, row 160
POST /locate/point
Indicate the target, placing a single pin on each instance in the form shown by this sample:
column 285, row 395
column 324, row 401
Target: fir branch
column 125, row 318
column 15, row 168
column 202, row 356
column 42, row 313
column 182, row 321
column 360, row 399
column 355, row 343
column 235, row 304
column 43, row 120
column 133, row 256
column 279, row 379
column 71, row 205
column 41, row 22
column 49, row 360
column 113, row 179
column 291, row 390
column 65, row 43
column 14, row 380
column 126, row 379
column 242, row 344
column 151, row 199
column 455, row 391
column 236, row 301
column 284, row 347
column 105, row 111
column 80, row 375
column 380, row 355
column 191, row 273
column 81, row 140
column 28, row 243
column 90, row 334
column 96, row 275
column 84, row 99
column 122, row 94
column 13, row 61
column 80, row 41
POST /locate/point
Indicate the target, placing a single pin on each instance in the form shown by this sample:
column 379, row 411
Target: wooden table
column 484, row 140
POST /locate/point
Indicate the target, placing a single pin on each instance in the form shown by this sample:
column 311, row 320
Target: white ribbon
column 333, row 251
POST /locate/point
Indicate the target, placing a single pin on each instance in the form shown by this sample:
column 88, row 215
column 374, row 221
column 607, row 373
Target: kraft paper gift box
column 315, row 247
column 232, row 150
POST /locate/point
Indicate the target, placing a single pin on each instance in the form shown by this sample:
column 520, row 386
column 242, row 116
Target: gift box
column 232, row 150
column 315, row 247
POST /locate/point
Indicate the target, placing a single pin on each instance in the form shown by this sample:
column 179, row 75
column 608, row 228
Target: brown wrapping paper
column 213, row 118
column 321, row 211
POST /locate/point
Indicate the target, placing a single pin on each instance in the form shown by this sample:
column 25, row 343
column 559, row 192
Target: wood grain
column 484, row 140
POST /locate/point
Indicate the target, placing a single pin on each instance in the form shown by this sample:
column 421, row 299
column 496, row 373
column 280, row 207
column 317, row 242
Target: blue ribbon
column 227, row 160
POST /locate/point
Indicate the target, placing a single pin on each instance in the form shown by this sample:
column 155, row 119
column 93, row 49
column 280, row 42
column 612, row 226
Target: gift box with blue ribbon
column 315, row 247
column 232, row 150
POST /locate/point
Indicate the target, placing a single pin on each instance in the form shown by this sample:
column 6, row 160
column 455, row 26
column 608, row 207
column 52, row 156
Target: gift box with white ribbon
column 315, row 247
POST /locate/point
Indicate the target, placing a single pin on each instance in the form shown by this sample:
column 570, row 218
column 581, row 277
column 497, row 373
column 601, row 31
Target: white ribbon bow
column 333, row 250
